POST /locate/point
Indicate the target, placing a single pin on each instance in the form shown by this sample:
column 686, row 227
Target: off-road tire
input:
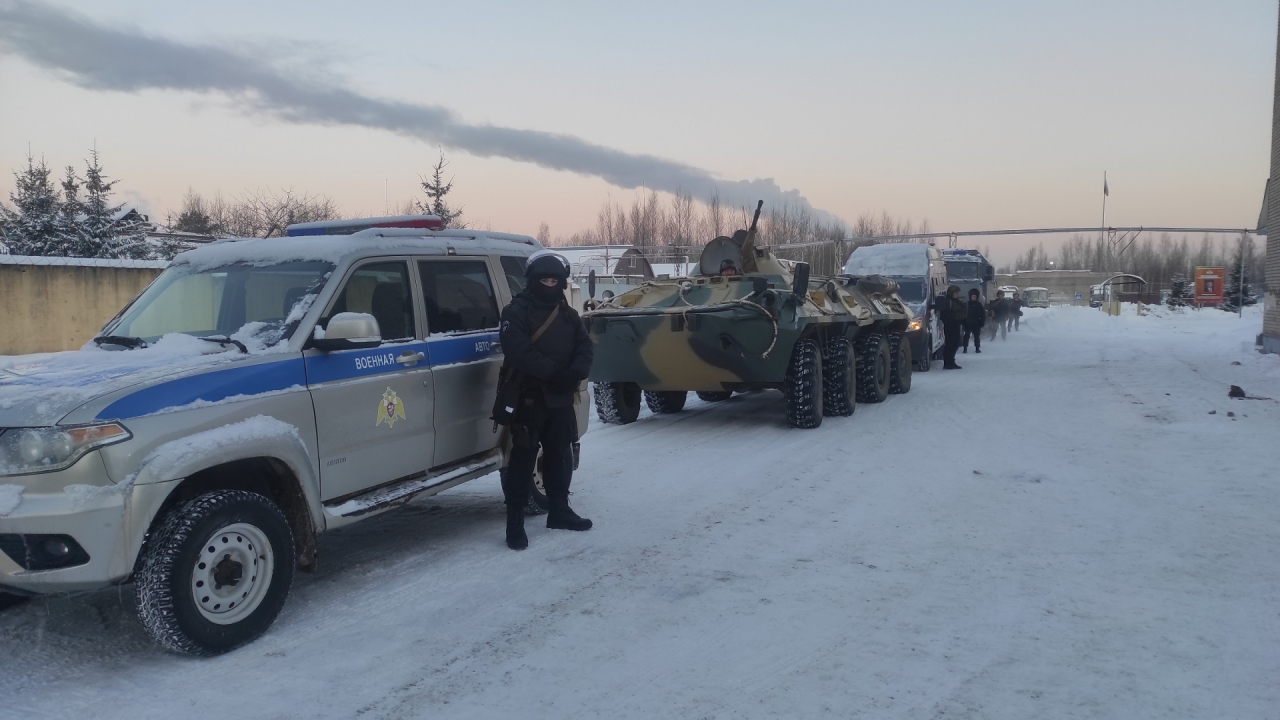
column 874, row 367
column 714, row 395
column 537, row 503
column 665, row 402
column 900, row 372
column 167, row 602
column 617, row 403
column 803, row 385
column 839, row 398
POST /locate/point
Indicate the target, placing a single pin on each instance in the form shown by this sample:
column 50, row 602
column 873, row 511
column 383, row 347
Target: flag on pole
column 1105, row 191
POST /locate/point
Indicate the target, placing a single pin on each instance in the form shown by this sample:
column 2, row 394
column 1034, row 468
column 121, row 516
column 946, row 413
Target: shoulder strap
column 550, row 319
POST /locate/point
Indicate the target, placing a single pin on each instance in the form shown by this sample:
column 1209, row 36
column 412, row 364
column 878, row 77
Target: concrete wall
column 44, row 308
column 1062, row 284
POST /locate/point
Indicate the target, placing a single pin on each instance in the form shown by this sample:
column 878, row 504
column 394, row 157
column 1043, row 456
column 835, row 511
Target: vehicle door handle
column 410, row 358
column 496, row 347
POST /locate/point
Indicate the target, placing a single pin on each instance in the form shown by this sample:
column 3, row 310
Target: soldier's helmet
column 546, row 263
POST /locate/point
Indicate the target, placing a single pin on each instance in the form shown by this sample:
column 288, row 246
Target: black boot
column 561, row 517
column 516, row 537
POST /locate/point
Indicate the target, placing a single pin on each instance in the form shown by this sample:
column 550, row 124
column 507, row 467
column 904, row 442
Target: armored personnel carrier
column 750, row 321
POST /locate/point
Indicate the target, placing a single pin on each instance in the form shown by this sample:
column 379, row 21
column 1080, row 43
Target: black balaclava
column 973, row 294
column 546, row 265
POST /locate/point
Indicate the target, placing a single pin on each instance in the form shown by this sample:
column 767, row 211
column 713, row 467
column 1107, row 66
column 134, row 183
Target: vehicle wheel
column 216, row 573
column 900, row 372
column 665, row 402
column 874, row 367
column 925, row 364
column 838, row 396
column 804, row 385
column 714, row 396
column 617, row 403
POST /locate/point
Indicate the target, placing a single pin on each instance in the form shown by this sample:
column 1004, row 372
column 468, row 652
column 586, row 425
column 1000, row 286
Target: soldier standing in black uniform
column 953, row 312
column 552, row 367
column 973, row 322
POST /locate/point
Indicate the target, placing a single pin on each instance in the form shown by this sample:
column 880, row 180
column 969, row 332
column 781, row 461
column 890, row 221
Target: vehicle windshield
column 963, row 270
column 259, row 306
column 911, row 291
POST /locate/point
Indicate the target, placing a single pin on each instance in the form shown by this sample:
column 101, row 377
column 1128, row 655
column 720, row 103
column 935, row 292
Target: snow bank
column 10, row 498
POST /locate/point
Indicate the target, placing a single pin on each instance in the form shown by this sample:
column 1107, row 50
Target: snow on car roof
column 337, row 248
column 893, row 259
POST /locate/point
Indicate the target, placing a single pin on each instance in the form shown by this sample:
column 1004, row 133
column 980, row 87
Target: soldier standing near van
column 976, row 318
column 1015, row 310
column 953, row 312
column 544, row 340
column 1000, row 314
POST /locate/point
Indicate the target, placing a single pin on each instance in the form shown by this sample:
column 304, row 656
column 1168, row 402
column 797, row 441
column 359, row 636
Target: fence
column 49, row 304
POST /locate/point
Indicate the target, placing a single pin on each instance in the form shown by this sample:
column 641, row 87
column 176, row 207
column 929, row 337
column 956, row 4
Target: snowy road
column 1059, row 530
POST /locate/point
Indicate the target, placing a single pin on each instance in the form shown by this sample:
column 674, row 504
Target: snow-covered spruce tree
column 70, row 235
column 1179, row 287
column 436, row 189
column 106, row 233
column 30, row 228
column 1236, row 277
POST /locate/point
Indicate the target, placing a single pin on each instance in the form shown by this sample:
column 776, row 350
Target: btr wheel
column 617, row 403
column 804, row 385
column 874, row 367
column 838, row 396
column 216, row 574
column 900, row 372
column 665, row 402
column 714, row 396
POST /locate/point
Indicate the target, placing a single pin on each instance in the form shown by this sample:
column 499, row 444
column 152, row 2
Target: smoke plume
column 103, row 58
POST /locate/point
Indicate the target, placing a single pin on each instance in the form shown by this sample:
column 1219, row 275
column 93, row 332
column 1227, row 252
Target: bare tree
column 544, row 233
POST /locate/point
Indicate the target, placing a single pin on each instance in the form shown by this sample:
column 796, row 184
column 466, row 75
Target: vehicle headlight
column 915, row 325
column 25, row 451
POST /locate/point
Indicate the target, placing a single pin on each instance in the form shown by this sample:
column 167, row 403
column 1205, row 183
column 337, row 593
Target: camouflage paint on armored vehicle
column 826, row 342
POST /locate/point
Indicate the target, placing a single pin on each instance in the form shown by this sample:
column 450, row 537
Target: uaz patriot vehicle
column 921, row 276
column 257, row 393
column 749, row 321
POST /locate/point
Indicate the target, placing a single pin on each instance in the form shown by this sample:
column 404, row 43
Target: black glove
column 564, row 380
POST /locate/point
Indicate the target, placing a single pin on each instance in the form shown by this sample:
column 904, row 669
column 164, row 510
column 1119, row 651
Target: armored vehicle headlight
column 915, row 325
column 25, row 451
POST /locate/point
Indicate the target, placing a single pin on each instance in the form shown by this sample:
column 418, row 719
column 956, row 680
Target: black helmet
column 546, row 263
column 973, row 293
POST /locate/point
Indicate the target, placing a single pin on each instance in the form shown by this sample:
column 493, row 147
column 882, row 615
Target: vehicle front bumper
column 103, row 520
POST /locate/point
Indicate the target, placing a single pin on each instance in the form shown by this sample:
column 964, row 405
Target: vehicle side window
column 513, row 268
column 381, row 290
column 458, row 296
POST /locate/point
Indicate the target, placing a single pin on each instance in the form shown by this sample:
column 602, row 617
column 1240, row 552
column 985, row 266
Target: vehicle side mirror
column 800, row 280
column 591, row 284
column 348, row 331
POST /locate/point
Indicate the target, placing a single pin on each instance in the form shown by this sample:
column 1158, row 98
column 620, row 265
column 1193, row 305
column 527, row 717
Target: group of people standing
column 962, row 321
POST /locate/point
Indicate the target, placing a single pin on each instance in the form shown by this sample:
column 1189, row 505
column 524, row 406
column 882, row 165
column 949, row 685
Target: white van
column 921, row 275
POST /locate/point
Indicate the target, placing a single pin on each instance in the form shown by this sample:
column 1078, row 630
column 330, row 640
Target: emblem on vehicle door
column 390, row 409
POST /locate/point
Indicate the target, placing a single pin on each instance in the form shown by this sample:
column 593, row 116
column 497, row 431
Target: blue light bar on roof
column 347, row 227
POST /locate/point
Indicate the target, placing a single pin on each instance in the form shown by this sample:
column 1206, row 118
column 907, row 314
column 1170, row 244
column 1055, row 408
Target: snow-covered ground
column 1070, row 526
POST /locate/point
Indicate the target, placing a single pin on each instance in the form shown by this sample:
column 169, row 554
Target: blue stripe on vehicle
column 210, row 387
column 459, row 349
column 348, row 364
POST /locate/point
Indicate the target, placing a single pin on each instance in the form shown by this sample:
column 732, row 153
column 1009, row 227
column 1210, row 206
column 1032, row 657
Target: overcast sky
column 975, row 115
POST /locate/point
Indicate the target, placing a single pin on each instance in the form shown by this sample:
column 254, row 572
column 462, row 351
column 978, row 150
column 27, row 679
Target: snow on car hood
column 42, row 389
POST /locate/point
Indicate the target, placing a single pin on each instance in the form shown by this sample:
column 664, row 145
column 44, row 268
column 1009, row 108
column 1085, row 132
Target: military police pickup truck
column 256, row 394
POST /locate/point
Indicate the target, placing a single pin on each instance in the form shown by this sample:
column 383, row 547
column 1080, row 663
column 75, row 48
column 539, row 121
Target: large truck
column 970, row 271
column 921, row 275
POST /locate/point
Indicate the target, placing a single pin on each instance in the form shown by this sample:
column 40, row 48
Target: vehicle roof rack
column 354, row 225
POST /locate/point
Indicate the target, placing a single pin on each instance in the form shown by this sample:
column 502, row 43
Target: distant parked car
column 1036, row 297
